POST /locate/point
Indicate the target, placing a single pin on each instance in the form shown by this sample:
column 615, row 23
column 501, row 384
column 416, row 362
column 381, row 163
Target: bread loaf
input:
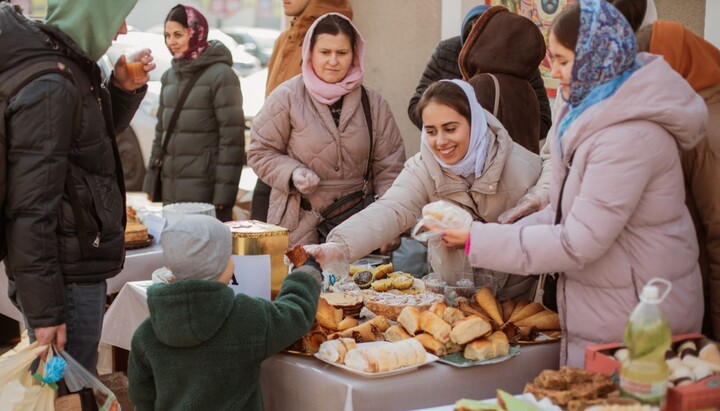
column 452, row 315
column 495, row 345
column 409, row 318
column 468, row 329
column 434, row 325
column 386, row 357
column 438, row 308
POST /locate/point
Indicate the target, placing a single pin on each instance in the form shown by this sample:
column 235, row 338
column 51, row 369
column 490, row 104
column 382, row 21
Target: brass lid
column 255, row 229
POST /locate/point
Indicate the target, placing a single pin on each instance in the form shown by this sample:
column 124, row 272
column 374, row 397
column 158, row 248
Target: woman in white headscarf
column 466, row 158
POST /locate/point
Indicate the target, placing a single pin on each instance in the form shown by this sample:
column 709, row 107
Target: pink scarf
column 327, row 93
column 198, row 32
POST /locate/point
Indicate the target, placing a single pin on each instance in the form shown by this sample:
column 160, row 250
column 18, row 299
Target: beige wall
column 690, row 12
column 399, row 40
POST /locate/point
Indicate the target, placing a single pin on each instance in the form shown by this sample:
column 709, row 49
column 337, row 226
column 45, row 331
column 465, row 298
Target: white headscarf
column 474, row 159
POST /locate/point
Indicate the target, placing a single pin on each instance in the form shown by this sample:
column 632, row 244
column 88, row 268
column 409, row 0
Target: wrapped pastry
column 682, row 376
column 335, row 350
column 544, row 320
column 528, row 333
column 464, row 305
column 434, row 325
column 525, row 312
column 396, row 333
column 347, row 323
column 507, row 309
column 468, row 329
column 710, row 353
column 409, row 318
column 386, row 357
column 687, row 348
column 367, row 332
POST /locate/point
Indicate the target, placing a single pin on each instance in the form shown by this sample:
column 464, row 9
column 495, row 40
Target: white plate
column 428, row 359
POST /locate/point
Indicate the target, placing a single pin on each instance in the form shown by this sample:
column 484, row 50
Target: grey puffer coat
column 206, row 153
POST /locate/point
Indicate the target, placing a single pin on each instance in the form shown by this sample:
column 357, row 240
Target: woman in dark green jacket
column 206, row 151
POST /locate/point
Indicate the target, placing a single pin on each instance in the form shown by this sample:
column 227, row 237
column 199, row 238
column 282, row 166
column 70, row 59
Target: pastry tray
column 429, row 358
column 457, row 359
column 542, row 339
column 139, row 244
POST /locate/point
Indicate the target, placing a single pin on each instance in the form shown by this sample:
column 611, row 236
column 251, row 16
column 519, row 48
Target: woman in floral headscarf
column 617, row 216
column 205, row 153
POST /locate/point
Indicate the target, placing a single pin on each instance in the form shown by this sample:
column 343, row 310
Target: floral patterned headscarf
column 197, row 30
column 604, row 57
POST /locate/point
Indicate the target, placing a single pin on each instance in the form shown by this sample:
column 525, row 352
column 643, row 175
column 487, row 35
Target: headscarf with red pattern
column 197, row 31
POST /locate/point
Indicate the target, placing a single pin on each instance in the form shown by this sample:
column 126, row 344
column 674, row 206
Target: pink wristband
column 467, row 246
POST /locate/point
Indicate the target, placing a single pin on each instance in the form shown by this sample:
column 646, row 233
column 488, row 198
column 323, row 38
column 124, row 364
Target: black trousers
column 260, row 201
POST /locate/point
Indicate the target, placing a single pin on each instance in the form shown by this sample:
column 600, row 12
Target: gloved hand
column 305, row 180
column 331, row 258
column 535, row 200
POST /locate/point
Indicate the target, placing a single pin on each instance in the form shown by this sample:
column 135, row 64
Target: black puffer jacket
column 444, row 65
column 41, row 231
column 206, row 152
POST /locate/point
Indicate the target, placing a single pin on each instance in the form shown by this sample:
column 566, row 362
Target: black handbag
column 155, row 169
column 360, row 199
column 550, row 282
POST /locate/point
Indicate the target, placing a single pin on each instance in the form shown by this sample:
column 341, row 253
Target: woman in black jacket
column 206, row 150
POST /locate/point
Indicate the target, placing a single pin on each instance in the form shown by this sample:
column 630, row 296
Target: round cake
column 390, row 304
column 350, row 303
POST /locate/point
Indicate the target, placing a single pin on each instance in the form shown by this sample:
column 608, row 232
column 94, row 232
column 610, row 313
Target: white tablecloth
column 139, row 265
column 125, row 314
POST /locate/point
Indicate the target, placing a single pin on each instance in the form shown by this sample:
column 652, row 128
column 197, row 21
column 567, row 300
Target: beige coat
column 293, row 129
column 509, row 171
column 624, row 219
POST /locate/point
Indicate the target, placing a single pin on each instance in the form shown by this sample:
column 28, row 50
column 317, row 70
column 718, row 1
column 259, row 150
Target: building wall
column 399, row 40
column 690, row 12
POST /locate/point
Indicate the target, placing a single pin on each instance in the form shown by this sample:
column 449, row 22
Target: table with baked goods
column 299, row 382
column 139, row 265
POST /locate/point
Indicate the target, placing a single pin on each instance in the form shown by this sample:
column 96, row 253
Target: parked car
column 244, row 63
column 135, row 143
column 257, row 41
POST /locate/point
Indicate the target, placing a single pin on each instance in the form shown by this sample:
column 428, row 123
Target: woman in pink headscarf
column 311, row 143
column 205, row 150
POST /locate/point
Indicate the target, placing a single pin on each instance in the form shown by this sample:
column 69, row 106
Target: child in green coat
column 202, row 345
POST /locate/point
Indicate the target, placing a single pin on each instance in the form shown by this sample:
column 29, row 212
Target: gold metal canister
column 251, row 237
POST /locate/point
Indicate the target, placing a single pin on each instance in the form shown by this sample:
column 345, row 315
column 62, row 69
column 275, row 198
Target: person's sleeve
column 538, row 85
column 702, row 168
column 270, row 134
column 124, row 104
column 429, row 76
column 141, row 386
column 40, row 127
column 389, row 152
column 387, row 218
column 598, row 215
column 292, row 314
column 227, row 101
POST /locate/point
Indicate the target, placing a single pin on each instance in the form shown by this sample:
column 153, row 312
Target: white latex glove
column 305, row 180
column 331, row 258
column 535, row 200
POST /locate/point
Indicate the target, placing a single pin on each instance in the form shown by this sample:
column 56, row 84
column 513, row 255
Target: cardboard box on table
column 701, row 395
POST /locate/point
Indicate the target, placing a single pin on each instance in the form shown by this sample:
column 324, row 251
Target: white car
column 257, row 41
column 135, row 143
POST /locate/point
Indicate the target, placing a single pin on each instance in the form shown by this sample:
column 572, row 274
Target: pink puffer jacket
column 624, row 217
column 293, row 129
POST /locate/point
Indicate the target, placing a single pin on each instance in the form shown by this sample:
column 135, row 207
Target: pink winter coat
column 293, row 129
column 624, row 217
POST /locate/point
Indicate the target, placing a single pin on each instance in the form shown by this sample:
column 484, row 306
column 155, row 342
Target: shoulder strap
column 558, row 209
column 176, row 113
column 497, row 94
column 368, row 120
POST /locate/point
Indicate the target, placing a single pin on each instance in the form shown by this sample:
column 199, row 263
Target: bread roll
column 434, row 325
column 452, row 315
column 409, row 318
column 500, row 343
column 432, row 345
column 480, row 349
column 396, row 333
column 335, row 350
column 468, row 329
column 438, row 309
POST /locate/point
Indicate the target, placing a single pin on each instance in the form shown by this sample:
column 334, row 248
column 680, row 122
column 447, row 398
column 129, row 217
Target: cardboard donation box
column 267, row 243
column 703, row 394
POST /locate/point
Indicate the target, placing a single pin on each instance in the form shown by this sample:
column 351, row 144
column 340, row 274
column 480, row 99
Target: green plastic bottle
column 644, row 374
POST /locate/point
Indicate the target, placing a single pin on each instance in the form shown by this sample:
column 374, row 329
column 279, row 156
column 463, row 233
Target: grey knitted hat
column 196, row 247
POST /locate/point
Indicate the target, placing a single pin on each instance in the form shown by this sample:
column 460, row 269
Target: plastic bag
column 78, row 378
column 19, row 390
column 440, row 214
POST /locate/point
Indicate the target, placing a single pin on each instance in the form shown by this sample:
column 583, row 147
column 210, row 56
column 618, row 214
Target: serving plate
column 429, row 358
column 139, row 244
column 457, row 359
